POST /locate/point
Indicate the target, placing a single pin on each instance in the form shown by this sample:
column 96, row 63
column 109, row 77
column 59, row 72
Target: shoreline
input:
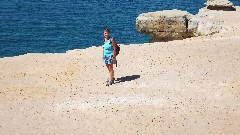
column 229, row 27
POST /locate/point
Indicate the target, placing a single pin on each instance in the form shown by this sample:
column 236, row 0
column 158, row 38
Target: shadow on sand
column 127, row 78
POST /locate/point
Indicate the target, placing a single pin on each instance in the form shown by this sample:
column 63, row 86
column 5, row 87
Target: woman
column 109, row 55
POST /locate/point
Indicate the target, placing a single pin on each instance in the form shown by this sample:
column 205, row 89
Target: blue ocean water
column 43, row 26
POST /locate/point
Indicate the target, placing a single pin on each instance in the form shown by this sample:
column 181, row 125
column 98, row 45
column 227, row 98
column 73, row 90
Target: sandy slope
column 179, row 87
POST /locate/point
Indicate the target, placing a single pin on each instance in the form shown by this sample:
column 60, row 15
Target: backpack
column 117, row 48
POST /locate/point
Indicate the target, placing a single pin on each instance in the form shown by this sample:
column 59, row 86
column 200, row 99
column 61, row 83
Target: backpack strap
column 111, row 38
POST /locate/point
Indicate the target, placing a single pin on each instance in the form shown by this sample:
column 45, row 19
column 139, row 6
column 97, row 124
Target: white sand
column 182, row 87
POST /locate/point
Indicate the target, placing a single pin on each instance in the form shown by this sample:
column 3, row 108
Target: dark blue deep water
column 42, row 26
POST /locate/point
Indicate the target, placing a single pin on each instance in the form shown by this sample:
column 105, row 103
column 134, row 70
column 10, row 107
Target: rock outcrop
column 176, row 24
column 164, row 25
column 219, row 5
column 204, row 23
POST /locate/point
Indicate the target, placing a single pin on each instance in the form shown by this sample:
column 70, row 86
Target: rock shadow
column 169, row 38
column 222, row 8
column 127, row 78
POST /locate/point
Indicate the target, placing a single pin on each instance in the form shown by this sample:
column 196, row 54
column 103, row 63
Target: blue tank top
column 108, row 49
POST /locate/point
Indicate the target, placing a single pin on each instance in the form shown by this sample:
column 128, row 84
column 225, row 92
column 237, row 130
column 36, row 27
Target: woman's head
column 106, row 33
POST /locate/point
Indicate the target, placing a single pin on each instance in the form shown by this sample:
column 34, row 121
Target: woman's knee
column 110, row 67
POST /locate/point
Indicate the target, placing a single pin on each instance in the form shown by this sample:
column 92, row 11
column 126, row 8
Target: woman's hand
column 113, row 59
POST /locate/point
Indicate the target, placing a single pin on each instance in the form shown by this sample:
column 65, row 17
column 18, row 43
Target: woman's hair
column 106, row 30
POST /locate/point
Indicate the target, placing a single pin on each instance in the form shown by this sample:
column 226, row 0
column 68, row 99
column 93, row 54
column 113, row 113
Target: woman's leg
column 111, row 71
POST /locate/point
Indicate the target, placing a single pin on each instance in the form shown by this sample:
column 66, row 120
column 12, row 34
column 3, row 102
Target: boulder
column 164, row 25
column 209, row 22
column 219, row 5
column 193, row 22
column 208, row 27
column 204, row 23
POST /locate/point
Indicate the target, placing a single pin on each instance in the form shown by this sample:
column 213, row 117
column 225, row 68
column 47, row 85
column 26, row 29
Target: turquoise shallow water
column 43, row 26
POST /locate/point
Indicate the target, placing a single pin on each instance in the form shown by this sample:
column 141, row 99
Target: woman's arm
column 114, row 47
column 103, row 52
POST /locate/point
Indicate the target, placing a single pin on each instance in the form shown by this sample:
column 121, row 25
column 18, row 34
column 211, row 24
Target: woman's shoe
column 110, row 82
column 107, row 82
